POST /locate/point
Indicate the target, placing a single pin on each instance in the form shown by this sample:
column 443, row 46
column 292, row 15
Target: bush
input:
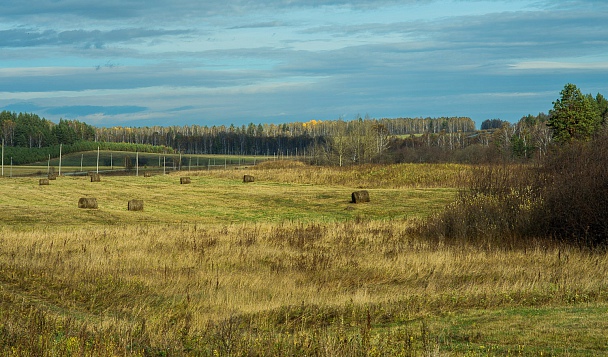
column 576, row 199
column 497, row 209
column 563, row 199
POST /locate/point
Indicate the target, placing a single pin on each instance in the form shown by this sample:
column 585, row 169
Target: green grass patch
column 547, row 331
column 206, row 200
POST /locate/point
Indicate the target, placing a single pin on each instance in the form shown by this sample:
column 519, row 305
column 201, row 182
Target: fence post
column 60, row 145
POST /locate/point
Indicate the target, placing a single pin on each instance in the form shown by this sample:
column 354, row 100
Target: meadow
column 285, row 265
column 124, row 163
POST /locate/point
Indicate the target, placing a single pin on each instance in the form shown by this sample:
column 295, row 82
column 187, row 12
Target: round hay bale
column 184, row 180
column 360, row 196
column 136, row 205
column 87, row 202
column 147, row 174
column 43, row 181
column 52, row 176
column 95, row 177
column 248, row 178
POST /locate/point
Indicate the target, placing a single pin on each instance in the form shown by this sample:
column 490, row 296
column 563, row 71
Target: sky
column 209, row 62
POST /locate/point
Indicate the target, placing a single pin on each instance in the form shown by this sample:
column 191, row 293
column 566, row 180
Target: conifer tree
column 574, row 116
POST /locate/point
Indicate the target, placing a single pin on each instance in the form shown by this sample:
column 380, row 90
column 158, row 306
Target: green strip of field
column 205, row 200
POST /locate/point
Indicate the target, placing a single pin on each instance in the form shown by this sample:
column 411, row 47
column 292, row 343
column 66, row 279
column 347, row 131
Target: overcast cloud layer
column 182, row 62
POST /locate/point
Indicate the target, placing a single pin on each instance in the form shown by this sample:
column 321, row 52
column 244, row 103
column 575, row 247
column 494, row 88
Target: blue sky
column 182, row 62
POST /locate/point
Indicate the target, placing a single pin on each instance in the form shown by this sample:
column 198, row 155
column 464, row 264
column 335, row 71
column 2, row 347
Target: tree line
column 574, row 116
column 341, row 142
column 28, row 130
column 270, row 139
column 25, row 155
column 325, row 142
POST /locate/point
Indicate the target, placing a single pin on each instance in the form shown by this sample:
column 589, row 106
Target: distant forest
column 334, row 142
column 331, row 142
column 356, row 141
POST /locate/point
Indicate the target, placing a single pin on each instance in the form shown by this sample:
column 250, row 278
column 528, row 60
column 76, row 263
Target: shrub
column 576, row 199
column 497, row 208
column 563, row 199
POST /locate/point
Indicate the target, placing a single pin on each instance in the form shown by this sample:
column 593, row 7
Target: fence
column 121, row 163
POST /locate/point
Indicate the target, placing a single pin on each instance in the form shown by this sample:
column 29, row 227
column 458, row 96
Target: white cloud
column 552, row 65
column 239, row 60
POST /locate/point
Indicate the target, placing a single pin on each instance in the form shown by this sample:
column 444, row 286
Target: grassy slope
column 207, row 252
column 207, row 200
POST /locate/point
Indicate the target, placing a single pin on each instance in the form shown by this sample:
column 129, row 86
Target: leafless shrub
column 563, row 199
column 576, row 198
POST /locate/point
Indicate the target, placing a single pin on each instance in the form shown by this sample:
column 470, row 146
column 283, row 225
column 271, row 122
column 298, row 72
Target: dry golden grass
column 120, row 275
column 362, row 176
column 273, row 267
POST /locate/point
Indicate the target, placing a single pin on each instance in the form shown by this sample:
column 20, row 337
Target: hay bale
column 95, row 177
column 360, row 196
column 184, row 180
column 87, row 202
column 147, row 174
column 52, row 176
column 248, row 178
column 136, row 205
column 43, row 181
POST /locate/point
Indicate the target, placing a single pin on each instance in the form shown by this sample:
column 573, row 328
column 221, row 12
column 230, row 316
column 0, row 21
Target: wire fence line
column 122, row 167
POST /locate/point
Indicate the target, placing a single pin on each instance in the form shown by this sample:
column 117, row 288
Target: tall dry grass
column 368, row 176
column 243, row 289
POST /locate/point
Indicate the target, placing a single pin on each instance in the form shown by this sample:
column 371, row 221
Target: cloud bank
column 138, row 63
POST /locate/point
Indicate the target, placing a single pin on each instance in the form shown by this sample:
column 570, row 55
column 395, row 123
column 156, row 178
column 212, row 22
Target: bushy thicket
column 562, row 199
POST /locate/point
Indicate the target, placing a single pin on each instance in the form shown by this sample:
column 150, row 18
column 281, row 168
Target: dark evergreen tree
column 64, row 133
column 574, row 116
column 492, row 124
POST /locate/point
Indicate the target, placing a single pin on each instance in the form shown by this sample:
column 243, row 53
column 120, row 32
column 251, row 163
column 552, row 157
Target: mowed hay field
column 284, row 265
column 212, row 197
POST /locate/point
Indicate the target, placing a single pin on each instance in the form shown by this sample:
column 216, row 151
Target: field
column 108, row 161
column 285, row 265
